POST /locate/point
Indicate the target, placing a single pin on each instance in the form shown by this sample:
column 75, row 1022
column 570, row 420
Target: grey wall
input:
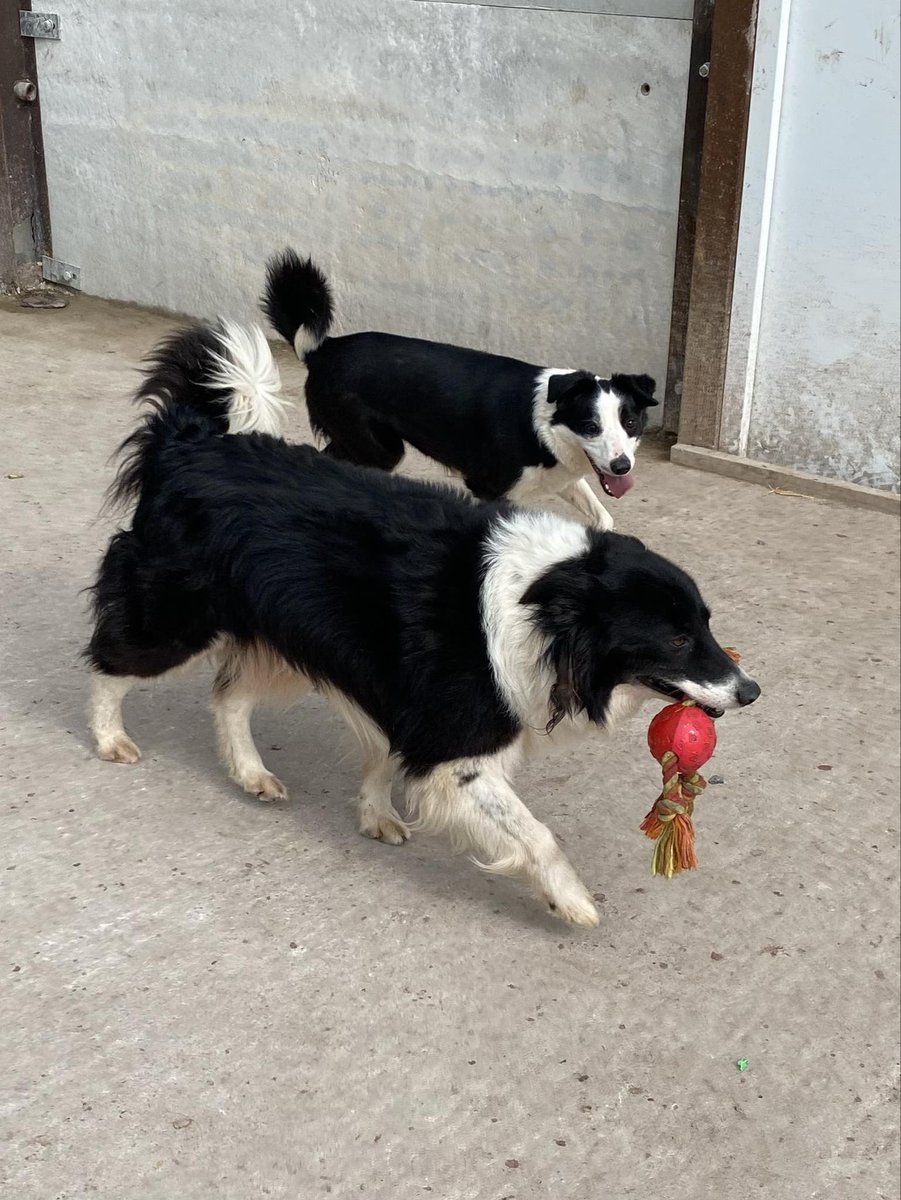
column 812, row 376
column 486, row 175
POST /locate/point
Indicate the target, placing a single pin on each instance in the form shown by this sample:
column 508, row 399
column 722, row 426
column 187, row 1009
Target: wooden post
column 719, row 210
column 24, row 206
column 692, row 147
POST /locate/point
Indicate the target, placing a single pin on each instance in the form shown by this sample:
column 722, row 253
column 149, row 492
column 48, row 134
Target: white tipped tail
column 246, row 369
column 304, row 341
column 298, row 301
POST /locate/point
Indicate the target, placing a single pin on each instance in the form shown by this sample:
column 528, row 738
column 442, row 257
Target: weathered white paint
column 812, row 379
column 486, row 175
column 680, row 10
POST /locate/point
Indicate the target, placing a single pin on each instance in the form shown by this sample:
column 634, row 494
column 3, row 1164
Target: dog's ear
column 561, row 388
column 640, row 387
column 563, row 597
column 574, row 657
column 564, row 699
column 560, row 594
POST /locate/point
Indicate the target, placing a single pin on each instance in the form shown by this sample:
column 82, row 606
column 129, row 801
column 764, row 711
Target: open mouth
column 674, row 693
column 614, row 486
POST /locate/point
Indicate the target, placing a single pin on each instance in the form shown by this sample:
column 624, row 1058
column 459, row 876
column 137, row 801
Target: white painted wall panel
column 486, row 175
column 816, row 384
column 679, row 10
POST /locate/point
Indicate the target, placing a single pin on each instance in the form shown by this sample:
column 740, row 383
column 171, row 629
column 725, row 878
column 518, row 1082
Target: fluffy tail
column 298, row 301
column 205, row 380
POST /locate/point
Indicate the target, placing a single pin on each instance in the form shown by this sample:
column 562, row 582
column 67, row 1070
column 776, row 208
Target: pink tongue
column 618, row 485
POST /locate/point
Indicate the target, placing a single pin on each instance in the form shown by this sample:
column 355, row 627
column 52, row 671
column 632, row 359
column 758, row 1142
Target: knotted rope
column 669, row 821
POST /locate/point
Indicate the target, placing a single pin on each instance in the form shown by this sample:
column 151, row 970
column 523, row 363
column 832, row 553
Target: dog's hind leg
column 232, row 710
column 250, row 674
column 472, row 799
column 370, row 444
column 353, row 433
column 106, row 721
column 147, row 622
column 379, row 818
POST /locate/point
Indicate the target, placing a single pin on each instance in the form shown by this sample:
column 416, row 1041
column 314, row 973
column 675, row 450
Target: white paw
column 120, row 749
column 384, row 827
column 265, row 786
column 603, row 521
column 569, row 898
column 578, row 910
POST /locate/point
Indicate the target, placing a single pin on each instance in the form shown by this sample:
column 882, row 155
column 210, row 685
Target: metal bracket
column 55, row 271
column 39, row 25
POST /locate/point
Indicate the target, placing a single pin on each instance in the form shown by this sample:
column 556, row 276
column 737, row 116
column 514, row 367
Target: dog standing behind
column 509, row 428
column 447, row 633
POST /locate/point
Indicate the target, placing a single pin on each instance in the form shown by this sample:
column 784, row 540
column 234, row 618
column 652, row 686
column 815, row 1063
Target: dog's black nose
column 748, row 691
column 621, row 465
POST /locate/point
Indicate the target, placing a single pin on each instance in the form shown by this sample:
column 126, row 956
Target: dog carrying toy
column 682, row 737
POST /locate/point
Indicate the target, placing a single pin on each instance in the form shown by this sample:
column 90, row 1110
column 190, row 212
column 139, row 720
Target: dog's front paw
column 603, row 520
column 265, row 786
column 577, row 910
column 567, row 896
column 120, row 749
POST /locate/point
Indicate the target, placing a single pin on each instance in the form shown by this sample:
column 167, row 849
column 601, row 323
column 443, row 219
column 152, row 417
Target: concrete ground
column 204, row 996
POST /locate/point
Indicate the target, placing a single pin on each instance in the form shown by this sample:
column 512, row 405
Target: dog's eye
column 630, row 424
column 680, row 642
column 592, row 429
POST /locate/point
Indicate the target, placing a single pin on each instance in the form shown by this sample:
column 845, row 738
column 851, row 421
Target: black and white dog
column 509, row 428
column 449, row 634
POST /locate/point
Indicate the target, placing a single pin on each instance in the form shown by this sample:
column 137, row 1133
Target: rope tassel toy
column 682, row 738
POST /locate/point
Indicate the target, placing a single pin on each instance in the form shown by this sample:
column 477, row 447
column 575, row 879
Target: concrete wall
column 487, row 175
column 813, row 372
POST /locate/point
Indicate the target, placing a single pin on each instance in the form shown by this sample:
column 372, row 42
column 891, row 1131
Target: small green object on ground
column 742, row 1064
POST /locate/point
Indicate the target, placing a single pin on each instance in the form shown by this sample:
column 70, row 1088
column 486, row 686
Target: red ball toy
column 687, row 731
